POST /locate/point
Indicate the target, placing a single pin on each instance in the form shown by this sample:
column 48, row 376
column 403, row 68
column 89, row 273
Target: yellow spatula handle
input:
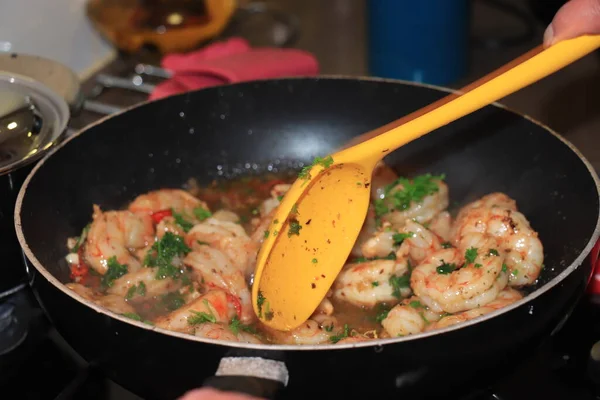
column 523, row 71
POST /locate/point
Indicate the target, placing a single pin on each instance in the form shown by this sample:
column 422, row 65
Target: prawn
column 177, row 200
column 229, row 238
column 215, row 269
column 444, row 285
column 505, row 298
column 111, row 302
column 143, row 283
column 221, row 332
column 116, row 234
column 213, row 306
column 368, row 283
column 496, row 214
column 408, row 318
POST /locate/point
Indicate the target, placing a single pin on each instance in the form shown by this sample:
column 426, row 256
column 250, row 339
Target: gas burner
column 14, row 324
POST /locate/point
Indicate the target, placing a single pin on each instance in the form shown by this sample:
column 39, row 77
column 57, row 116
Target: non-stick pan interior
column 274, row 124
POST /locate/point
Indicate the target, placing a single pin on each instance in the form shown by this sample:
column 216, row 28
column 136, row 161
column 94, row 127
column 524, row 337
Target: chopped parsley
column 328, row 328
column 171, row 301
column 314, row 261
column 294, row 209
column 470, row 255
column 400, row 237
column 114, row 271
column 398, row 283
column 235, row 325
column 324, row 162
column 259, row 302
column 280, row 197
column 514, row 273
column 416, row 304
column 391, row 256
column 200, row 317
column 294, row 228
column 504, row 268
column 202, row 213
column 163, row 252
column 375, row 283
column 477, row 265
column 344, row 334
column 446, row 268
column 81, row 239
column 381, row 315
column 493, row 252
column 266, row 234
column 139, row 289
column 446, row 245
column 137, row 317
column 181, row 221
column 414, row 190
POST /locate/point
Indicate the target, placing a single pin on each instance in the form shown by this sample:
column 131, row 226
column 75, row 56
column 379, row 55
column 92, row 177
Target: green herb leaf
column 114, row 271
column 446, row 268
column 446, row 245
column 202, row 213
column 171, row 301
column 324, row 162
column 414, row 190
column 280, row 197
column 344, row 334
column 81, row 239
column 181, row 221
column 259, row 302
column 416, row 304
column 478, row 265
column 163, row 252
column 375, row 283
column 200, row 317
column 235, row 325
column 400, row 237
column 504, row 268
column 391, row 256
column 470, row 255
column 139, row 289
column 398, row 283
column 493, row 252
column 266, row 234
column 314, row 261
column 294, row 228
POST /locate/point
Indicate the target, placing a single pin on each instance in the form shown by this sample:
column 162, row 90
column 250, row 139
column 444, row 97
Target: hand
column 213, row 394
column 575, row 18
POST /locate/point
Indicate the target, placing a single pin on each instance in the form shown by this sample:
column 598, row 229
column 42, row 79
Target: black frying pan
column 223, row 130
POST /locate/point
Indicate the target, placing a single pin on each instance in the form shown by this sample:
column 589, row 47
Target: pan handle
column 594, row 285
column 255, row 376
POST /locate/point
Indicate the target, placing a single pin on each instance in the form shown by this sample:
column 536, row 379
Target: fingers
column 575, row 18
column 212, row 394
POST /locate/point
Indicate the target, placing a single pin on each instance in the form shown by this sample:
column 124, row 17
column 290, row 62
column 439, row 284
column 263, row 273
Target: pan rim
column 279, row 347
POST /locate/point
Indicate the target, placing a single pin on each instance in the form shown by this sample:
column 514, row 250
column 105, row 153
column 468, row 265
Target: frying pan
column 221, row 132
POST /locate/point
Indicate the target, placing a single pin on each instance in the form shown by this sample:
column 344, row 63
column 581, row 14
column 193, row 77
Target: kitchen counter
column 334, row 31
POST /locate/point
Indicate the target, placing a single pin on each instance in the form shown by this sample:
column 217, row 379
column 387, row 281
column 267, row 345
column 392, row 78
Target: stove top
column 31, row 350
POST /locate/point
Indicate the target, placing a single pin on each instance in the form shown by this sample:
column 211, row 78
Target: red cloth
column 594, row 285
column 229, row 62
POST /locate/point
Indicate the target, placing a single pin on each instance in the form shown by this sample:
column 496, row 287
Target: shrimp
column 220, row 332
column 166, row 199
column 380, row 244
column 368, row 283
column 228, row 237
column 382, row 177
column 408, row 318
column 216, row 270
column 226, row 216
column 422, row 212
column 443, row 285
column 368, row 229
column 168, row 224
column 115, row 234
column 441, row 225
column 213, row 306
column 111, row 302
column 270, row 204
column 496, row 214
column 309, row 333
column 324, row 308
column 143, row 283
column 505, row 298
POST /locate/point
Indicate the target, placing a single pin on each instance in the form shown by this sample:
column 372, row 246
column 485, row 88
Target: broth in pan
column 183, row 259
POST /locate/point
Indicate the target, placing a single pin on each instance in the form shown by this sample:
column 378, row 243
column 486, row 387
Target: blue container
column 418, row 40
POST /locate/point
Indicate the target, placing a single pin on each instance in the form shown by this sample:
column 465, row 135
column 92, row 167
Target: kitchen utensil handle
column 255, row 376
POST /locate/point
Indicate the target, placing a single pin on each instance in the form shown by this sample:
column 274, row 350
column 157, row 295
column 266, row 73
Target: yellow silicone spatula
column 315, row 226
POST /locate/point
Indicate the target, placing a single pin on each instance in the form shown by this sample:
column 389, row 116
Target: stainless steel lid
column 33, row 119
